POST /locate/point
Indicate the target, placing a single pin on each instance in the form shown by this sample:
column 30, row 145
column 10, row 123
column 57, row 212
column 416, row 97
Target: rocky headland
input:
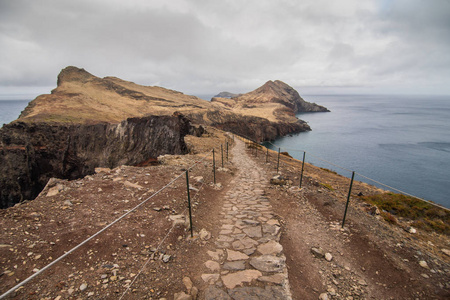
column 89, row 122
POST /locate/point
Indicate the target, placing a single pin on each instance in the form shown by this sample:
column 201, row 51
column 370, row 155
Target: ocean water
column 401, row 141
column 11, row 109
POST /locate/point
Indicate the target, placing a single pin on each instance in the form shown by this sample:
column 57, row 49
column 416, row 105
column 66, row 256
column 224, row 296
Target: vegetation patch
column 424, row 215
column 326, row 185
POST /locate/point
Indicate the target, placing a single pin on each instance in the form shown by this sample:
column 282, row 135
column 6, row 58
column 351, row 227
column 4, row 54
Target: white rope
column 196, row 163
column 380, row 183
column 91, row 237
column 148, row 260
column 159, row 245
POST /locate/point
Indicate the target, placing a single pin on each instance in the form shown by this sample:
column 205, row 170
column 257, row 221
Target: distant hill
column 226, row 95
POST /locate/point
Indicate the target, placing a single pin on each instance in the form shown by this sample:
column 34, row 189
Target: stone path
column 248, row 262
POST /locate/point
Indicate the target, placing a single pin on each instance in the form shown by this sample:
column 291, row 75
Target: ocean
column 11, row 109
column 400, row 141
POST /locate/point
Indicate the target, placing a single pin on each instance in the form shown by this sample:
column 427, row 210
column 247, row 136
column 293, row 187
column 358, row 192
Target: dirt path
column 247, row 249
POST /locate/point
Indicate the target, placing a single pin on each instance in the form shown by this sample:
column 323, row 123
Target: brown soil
column 371, row 259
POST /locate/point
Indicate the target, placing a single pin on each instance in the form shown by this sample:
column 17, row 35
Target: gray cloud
column 209, row 46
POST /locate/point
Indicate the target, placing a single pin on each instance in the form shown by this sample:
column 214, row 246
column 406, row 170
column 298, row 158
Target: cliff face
column 32, row 153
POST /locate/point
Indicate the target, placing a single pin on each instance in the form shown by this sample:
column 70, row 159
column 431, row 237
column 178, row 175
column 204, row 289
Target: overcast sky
column 205, row 46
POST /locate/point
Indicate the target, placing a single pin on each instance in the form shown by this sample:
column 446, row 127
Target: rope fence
column 337, row 166
column 188, row 207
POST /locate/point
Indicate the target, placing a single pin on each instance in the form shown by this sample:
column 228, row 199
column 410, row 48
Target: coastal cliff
column 32, row 153
column 83, row 98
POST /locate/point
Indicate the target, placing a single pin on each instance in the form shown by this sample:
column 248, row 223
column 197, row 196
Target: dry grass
column 422, row 214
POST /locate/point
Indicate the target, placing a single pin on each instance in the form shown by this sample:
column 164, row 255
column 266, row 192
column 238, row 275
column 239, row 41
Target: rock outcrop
column 83, row 98
column 273, row 92
column 32, row 153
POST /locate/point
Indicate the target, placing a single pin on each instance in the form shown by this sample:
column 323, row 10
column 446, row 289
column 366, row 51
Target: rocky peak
column 279, row 92
column 72, row 73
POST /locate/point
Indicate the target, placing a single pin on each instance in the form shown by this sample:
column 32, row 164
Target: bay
column 400, row 141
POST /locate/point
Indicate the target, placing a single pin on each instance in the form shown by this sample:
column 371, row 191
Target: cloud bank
column 204, row 47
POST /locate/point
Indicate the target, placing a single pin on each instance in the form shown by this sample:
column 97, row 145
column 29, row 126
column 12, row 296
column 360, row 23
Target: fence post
column 214, row 166
column 348, row 198
column 189, row 201
column 278, row 163
column 227, row 150
column 221, row 149
column 267, row 155
column 256, row 151
column 303, row 165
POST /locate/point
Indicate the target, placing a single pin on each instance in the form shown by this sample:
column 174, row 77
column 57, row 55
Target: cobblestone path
column 248, row 262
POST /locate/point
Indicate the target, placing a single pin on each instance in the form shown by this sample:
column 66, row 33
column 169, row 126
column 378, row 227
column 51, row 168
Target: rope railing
column 168, row 233
column 346, row 169
column 48, row 266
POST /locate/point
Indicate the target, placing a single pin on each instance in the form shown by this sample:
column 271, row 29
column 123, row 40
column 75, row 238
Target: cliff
column 32, row 153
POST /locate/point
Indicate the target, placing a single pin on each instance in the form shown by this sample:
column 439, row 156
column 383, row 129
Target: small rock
column 423, row 264
column 446, row 251
column 318, row 252
column 235, row 255
column 328, row 256
column 238, row 278
column 268, row 263
column 166, row 258
column 212, row 265
column 362, row 282
column 204, row 235
column 277, row 180
column 67, row 203
column 215, row 254
column 132, row 185
column 83, row 286
column 411, row 230
column 424, row 275
column 210, row 278
column 194, row 292
column 323, row 296
column 188, row 284
column 182, row 296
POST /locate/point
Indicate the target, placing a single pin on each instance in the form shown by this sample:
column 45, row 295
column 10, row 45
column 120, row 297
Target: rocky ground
column 150, row 254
